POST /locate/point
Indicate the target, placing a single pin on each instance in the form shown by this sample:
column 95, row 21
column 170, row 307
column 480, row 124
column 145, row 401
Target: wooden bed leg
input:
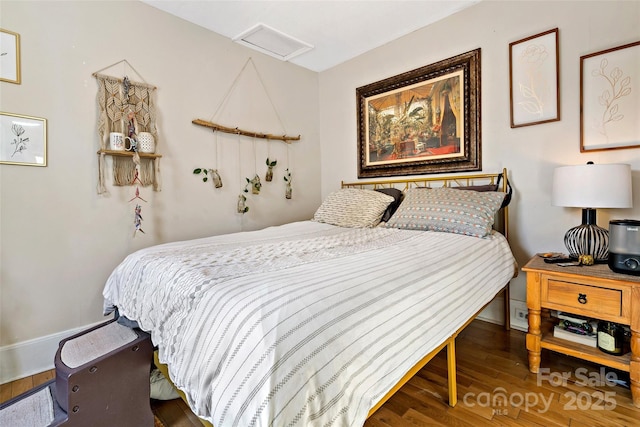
column 451, row 368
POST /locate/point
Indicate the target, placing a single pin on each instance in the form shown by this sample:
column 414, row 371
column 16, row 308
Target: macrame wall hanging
column 127, row 130
column 252, row 185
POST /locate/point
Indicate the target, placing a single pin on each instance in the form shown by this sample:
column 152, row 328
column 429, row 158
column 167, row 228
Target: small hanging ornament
column 137, row 196
column 137, row 212
column 132, row 125
column 215, row 176
column 242, row 207
column 270, row 165
column 254, row 183
column 288, row 190
column 138, row 220
column 126, row 87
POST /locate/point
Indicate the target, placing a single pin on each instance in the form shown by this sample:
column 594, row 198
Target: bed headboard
column 486, row 179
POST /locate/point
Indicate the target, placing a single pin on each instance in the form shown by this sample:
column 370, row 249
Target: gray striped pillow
column 353, row 207
column 446, row 209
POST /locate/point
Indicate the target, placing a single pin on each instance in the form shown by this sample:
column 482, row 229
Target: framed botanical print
column 610, row 99
column 23, row 140
column 534, row 79
column 9, row 56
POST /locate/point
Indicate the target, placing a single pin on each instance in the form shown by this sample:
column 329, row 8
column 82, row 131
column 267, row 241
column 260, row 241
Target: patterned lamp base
column 588, row 239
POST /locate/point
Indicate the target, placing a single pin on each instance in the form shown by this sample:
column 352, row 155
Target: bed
column 317, row 323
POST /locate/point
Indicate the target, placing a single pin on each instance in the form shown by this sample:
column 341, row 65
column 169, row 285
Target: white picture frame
column 10, row 57
column 23, row 140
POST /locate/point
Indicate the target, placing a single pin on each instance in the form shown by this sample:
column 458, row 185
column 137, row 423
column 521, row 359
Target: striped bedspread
column 305, row 324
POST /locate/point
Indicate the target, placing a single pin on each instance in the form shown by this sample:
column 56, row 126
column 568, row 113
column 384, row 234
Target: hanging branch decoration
column 254, row 183
column 270, row 165
column 284, row 138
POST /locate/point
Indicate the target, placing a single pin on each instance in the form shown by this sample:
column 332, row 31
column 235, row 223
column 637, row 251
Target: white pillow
column 353, row 207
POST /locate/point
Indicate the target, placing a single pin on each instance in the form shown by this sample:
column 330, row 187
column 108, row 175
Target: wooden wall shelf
column 129, row 154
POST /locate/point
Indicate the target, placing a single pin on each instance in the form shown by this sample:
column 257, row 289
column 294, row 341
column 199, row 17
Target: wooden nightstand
column 593, row 291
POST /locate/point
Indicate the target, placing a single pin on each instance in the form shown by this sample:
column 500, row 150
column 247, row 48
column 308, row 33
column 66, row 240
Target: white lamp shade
column 592, row 186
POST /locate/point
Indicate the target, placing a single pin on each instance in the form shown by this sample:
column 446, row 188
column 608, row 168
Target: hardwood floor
column 495, row 388
column 16, row 388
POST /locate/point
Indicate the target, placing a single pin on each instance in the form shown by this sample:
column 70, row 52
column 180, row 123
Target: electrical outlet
column 522, row 314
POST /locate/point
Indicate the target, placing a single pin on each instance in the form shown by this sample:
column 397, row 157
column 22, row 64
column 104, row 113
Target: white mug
column 146, row 142
column 116, row 141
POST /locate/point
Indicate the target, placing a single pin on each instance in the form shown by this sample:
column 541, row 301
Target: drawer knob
column 582, row 298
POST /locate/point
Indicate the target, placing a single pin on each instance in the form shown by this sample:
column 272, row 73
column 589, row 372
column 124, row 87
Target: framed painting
column 534, row 83
column 422, row 121
column 610, row 99
column 9, row 56
column 23, row 140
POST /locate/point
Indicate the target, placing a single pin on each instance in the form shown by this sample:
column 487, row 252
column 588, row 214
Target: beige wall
column 60, row 239
column 530, row 153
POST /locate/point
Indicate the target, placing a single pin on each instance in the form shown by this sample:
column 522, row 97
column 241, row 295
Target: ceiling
column 337, row 30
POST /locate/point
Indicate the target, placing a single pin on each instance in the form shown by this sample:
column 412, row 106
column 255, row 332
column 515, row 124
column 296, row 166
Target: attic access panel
column 272, row 42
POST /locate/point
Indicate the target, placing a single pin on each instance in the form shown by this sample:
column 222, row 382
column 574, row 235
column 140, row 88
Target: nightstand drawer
column 595, row 299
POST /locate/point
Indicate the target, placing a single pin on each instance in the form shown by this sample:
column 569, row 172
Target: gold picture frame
column 422, row 121
column 10, row 57
column 23, row 140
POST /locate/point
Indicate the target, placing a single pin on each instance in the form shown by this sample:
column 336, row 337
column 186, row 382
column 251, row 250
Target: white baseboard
column 33, row 356
column 493, row 312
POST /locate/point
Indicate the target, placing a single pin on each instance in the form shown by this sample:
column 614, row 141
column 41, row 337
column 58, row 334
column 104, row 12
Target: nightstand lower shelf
column 585, row 352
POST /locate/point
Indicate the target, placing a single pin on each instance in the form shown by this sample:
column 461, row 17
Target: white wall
column 530, row 153
column 59, row 239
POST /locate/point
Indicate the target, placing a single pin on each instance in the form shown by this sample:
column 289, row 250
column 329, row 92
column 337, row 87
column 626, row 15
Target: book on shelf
column 573, row 318
column 575, row 323
column 587, row 339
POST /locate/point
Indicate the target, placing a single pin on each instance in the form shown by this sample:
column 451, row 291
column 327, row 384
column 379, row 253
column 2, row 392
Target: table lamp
column 590, row 187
